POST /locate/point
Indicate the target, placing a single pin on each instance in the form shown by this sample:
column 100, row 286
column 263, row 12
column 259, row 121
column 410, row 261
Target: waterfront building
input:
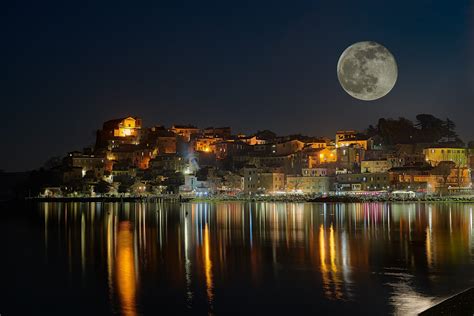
column 232, row 183
column 362, row 182
column 374, row 166
column 443, row 178
column 250, row 178
column 317, row 172
column 271, row 182
column 308, row 184
column 84, row 161
column 194, row 186
column 434, row 155
column 123, row 169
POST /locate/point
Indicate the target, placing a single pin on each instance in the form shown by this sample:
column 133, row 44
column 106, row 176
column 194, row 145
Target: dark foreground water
column 232, row 258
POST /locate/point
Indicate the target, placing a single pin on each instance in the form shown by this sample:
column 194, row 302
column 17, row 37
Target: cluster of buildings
column 130, row 158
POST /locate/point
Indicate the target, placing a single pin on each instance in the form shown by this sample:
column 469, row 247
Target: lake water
column 233, row 257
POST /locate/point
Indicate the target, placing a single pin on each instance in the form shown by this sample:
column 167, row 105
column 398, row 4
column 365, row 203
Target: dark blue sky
column 68, row 66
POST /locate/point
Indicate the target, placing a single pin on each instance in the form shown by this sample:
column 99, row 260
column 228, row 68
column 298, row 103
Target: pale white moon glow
column 367, row 71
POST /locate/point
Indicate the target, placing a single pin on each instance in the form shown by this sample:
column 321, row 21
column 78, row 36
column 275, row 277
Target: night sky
column 68, row 66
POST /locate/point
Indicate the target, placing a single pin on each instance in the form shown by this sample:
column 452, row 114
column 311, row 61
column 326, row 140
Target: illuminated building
column 434, row 155
column 317, row 143
column 206, row 144
column 286, row 164
column 349, row 158
column 325, row 155
column 250, row 179
column 195, row 186
column 138, row 188
column 185, row 131
column 253, row 140
column 430, row 180
column 316, row 172
column 308, row 184
column 348, row 138
column 119, row 131
column 219, row 132
column 228, row 148
column 161, row 141
column 168, row 162
column 123, row 169
column 271, row 182
column 288, row 147
column 87, row 162
column 362, row 182
column 232, row 183
column 374, row 166
column 135, row 155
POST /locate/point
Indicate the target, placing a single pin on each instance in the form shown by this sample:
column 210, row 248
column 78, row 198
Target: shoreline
column 284, row 199
column 457, row 304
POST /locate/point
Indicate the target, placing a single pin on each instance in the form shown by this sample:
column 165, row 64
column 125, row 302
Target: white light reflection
column 405, row 300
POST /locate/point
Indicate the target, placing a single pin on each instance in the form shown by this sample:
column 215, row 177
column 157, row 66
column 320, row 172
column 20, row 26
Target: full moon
column 367, row 71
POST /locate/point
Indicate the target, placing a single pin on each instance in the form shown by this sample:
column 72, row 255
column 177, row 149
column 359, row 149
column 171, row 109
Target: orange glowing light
column 125, row 269
column 208, row 265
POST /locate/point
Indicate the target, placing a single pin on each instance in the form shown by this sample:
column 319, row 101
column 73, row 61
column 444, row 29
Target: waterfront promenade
column 258, row 198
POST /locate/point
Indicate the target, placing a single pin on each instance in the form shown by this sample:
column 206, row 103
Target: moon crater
column 367, row 71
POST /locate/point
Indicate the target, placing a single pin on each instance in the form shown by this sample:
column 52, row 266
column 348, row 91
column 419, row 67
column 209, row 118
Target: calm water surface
column 233, row 258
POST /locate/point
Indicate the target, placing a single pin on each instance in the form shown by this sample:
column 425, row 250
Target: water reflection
column 125, row 268
column 192, row 256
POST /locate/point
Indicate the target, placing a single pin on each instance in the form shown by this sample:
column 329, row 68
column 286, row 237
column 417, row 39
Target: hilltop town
column 396, row 157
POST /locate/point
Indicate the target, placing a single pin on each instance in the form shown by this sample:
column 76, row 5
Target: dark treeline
column 426, row 129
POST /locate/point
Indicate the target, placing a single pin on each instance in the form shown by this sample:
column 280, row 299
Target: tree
column 125, row 183
column 102, row 187
column 399, row 131
column 449, row 131
column 53, row 162
column 266, row 134
column 372, row 131
column 124, row 187
column 427, row 129
column 443, row 169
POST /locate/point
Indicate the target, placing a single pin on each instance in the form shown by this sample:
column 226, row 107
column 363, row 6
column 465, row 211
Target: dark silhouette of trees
column 450, row 131
column 395, row 131
column 266, row 134
column 125, row 183
column 430, row 128
column 426, row 129
column 53, row 162
column 443, row 169
column 102, row 187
